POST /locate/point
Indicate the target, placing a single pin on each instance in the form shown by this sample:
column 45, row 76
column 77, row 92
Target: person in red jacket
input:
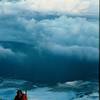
column 24, row 96
column 21, row 96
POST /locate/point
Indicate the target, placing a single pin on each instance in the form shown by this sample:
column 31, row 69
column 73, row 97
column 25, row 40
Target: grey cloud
column 47, row 44
column 10, row 55
column 19, row 23
column 63, row 31
column 87, row 53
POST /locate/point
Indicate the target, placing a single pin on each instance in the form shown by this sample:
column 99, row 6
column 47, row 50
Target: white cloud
column 67, row 6
column 7, row 53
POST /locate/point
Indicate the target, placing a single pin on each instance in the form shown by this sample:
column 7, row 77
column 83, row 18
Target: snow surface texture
column 75, row 90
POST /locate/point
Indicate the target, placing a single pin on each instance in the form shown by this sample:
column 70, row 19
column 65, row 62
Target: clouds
column 54, row 34
column 80, row 7
column 8, row 55
column 79, row 52
column 60, row 32
column 5, row 52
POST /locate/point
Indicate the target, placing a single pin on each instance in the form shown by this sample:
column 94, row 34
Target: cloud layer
column 54, row 34
column 87, row 7
column 61, row 32
column 10, row 55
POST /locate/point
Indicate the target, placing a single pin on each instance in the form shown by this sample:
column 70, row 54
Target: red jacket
column 24, row 97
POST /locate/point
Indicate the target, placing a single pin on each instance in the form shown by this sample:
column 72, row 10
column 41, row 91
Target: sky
column 87, row 7
column 67, row 30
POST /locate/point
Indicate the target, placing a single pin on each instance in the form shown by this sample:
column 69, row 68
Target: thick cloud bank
column 46, row 41
column 62, row 35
